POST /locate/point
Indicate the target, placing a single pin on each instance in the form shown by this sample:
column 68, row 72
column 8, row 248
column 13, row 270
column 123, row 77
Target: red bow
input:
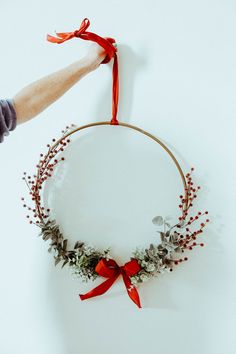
column 108, row 44
column 110, row 269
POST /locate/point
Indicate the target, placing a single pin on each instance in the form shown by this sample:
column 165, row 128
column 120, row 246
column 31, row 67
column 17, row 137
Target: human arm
column 36, row 97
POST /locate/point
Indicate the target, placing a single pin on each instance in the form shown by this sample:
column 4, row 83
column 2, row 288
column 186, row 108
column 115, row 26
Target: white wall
column 177, row 71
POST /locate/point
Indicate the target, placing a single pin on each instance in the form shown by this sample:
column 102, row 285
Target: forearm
column 37, row 96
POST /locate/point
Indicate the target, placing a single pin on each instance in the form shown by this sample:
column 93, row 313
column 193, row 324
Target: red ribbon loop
column 108, row 44
column 110, row 269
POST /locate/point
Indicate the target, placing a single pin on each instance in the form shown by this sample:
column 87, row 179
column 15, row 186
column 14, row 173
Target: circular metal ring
column 141, row 131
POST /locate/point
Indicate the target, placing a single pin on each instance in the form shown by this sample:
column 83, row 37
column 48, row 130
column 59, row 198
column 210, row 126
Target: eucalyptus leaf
column 158, row 220
column 64, row 263
column 78, row 244
column 46, row 236
column 57, row 260
column 65, row 245
column 162, row 235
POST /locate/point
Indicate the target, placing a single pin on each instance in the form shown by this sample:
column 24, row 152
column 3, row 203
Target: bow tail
column 100, row 289
column 131, row 290
column 61, row 37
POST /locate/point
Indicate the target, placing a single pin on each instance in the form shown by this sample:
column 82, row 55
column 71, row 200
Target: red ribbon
column 110, row 269
column 108, row 44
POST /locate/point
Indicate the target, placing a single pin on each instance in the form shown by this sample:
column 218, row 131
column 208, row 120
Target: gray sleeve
column 7, row 118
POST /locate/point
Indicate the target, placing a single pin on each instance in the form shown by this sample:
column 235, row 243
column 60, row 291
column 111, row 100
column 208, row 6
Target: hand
column 96, row 54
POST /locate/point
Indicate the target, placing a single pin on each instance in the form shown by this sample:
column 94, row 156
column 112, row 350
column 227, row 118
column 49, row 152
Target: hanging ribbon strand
column 109, row 45
column 110, row 269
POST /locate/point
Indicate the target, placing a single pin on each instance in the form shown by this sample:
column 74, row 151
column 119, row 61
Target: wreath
column 88, row 262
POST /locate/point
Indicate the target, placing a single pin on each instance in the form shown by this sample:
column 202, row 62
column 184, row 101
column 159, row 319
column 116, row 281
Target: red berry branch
column 188, row 237
column 45, row 168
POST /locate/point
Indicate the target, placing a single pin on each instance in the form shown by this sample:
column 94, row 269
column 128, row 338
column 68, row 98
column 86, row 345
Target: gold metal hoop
column 140, row 131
